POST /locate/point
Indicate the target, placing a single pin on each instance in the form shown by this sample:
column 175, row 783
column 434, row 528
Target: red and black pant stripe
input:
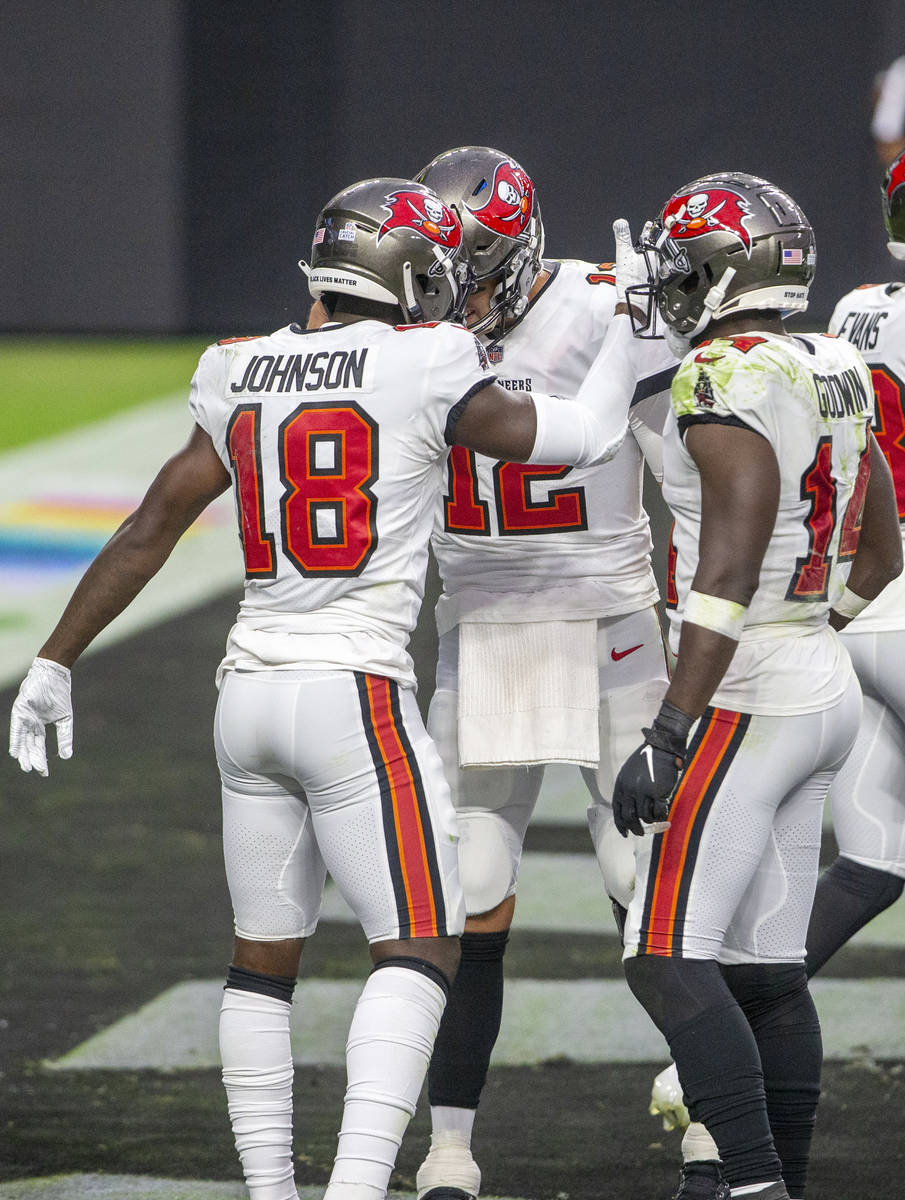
column 408, row 832
column 674, row 853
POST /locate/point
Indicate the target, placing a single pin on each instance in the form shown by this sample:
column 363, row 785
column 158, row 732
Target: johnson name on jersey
column 873, row 319
column 811, row 398
column 335, row 440
column 526, row 542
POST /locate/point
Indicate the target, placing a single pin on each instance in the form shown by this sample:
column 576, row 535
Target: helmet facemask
column 515, row 278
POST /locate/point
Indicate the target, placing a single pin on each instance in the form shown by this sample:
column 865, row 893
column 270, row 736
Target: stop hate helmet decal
column 693, row 214
column 510, row 199
column 425, row 215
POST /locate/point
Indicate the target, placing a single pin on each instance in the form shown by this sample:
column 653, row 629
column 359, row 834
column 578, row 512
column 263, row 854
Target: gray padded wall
column 91, row 184
column 163, row 162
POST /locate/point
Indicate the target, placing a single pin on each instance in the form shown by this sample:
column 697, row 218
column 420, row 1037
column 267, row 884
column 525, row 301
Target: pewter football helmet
column 894, row 206
column 495, row 200
column 726, row 243
column 393, row 242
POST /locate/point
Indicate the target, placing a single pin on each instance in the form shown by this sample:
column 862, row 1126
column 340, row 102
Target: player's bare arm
column 184, row 487
column 499, row 424
column 878, row 559
column 186, row 484
column 739, row 501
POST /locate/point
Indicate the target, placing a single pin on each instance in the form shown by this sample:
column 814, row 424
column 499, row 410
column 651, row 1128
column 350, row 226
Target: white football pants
column 334, row 772
column 733, row 877
column 868, row 794
column 494, row 805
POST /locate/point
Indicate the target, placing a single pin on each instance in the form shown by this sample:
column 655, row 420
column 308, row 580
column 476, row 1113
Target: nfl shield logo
column 495, row 354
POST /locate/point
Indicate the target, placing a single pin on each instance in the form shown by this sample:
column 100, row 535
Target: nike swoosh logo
column 648, row 754
column 617, row 654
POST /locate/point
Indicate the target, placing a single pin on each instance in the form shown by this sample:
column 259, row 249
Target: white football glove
column 667, row 1101
column 44, row 698
column 630, row 267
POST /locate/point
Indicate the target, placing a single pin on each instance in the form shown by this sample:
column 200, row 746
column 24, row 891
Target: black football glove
column 648, row 777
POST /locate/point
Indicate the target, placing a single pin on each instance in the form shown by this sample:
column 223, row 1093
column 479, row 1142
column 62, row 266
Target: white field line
column 588, row 1021
column 74, row 489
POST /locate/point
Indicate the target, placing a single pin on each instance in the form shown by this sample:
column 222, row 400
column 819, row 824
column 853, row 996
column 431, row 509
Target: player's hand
column 44, row 698
column 630, row 267
column 648, row 777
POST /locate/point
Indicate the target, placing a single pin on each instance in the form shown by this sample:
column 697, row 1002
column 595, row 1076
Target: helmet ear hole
column 428, row 285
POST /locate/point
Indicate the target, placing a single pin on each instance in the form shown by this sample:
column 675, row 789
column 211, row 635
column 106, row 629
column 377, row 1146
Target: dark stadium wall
column 609, row 106
column 164, row 162
column 91, row 186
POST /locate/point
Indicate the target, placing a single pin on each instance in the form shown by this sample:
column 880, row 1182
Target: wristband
column 850, row 604
column 713, row 612
column 669, row 730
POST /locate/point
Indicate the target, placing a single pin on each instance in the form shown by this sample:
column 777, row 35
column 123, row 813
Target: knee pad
column 615, row 854
column 489, row 856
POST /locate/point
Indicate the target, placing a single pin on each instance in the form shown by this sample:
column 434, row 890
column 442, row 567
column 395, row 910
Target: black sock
column 716, row 1056
column 470, row 1025
column 781, row 1013
column 848, row 896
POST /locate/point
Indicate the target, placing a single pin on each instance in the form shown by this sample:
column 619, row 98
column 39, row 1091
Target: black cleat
column 704, row 1181
column 447, row 1193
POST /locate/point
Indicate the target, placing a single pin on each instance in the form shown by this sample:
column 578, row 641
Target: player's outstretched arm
column 537, row 428
column 878, row 559
column 184, row 487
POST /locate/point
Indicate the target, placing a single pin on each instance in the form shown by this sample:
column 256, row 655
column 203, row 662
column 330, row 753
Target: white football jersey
column 810, row 397
column 530, row 543
column 335, row 442
column 873, row 319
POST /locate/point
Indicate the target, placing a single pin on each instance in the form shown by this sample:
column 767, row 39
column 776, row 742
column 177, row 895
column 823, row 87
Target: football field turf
column 52, row 384
column 115, row 901
column 115, row 894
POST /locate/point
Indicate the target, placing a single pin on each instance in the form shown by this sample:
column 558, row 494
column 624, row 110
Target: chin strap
column 712, row 302
column 413, row 308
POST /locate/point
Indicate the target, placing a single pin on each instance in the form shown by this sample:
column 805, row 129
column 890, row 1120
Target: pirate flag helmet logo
column 506, row 206
column 693, row 214
column 424, row 214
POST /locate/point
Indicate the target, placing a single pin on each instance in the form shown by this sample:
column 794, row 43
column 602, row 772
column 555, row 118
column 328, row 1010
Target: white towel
column 528, row 693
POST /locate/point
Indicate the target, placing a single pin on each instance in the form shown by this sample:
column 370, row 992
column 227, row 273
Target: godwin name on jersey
column 811, row 398
column 335, row 440
column 526, row 542
column 873, row 319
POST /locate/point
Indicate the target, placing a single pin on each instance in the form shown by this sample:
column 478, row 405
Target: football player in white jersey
column 550, row 645
column 772, row 474
column 335, row 443
column 868, row 794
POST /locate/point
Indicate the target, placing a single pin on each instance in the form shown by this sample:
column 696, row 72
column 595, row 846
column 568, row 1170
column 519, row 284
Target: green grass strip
column 53, row 384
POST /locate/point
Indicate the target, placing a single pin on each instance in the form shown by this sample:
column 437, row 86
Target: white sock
column 751, row 1189
column 698, row 1145
column 389, row 1046
column 257, row 1075
column 452, row 1121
